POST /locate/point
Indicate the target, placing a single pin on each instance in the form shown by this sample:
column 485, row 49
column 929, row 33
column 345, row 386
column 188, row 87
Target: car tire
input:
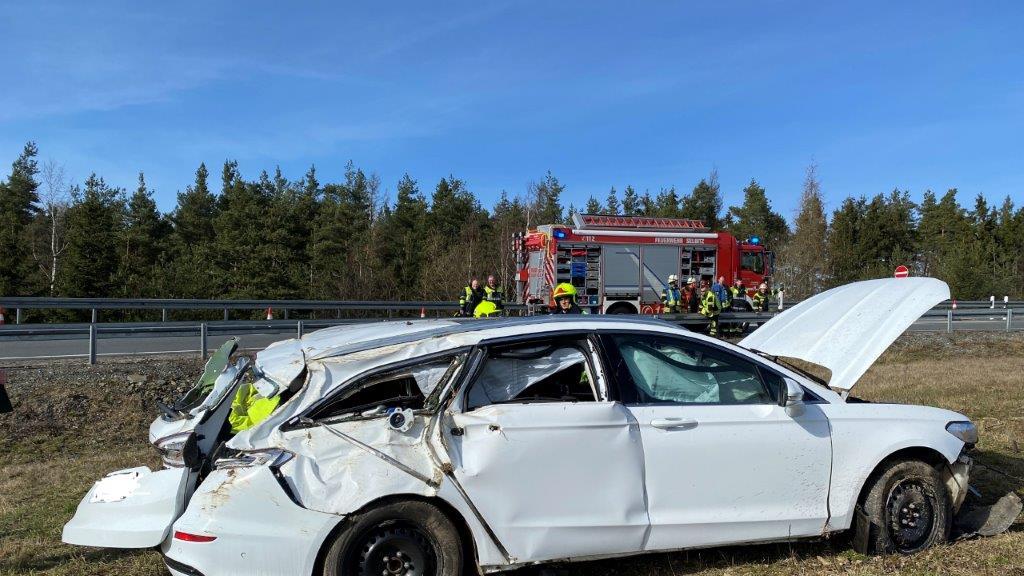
column 908, row 509
column 409, row 538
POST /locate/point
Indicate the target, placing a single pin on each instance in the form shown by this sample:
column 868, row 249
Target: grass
column 46, row 471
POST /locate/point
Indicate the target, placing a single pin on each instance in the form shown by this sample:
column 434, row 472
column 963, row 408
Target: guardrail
column 93, row 331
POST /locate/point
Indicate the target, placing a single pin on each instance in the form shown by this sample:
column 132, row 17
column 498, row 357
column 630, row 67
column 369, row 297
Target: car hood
column 846, row 329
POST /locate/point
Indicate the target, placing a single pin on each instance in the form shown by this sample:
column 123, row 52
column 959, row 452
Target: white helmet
column 691, row 280
column 673, row 278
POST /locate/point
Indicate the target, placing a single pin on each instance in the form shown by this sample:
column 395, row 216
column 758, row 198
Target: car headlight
column 273, row 458
column 178, row 450
column 965, row 431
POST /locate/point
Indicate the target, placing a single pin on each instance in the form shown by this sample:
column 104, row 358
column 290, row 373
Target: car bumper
column 957, row 480
column 258, row 529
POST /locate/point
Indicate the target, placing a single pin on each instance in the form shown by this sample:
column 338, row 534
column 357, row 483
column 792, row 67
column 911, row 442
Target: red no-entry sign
column 902, row 271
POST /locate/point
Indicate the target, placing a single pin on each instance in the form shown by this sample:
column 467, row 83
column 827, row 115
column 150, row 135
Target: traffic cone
column 270, row 313
column 954, row 304
column 423, row 312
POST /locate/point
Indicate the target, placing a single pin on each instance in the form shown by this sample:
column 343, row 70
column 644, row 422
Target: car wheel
column 622, row 308
column 399, row 539
column 908, row 508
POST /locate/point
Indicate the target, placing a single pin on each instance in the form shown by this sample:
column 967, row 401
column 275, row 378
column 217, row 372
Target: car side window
column 665, row 370
column 553, row 371
column 406, row 387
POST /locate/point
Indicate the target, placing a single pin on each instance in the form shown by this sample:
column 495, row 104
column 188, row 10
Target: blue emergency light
column 559, row 233
column 755, row 240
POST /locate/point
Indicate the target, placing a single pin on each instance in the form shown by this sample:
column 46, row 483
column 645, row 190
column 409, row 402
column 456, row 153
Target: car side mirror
column 792, row 393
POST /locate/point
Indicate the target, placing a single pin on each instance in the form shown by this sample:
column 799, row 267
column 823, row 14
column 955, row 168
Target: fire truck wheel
column 621, row 308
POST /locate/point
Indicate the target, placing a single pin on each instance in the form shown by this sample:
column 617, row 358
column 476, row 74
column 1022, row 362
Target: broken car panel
column 539, row 438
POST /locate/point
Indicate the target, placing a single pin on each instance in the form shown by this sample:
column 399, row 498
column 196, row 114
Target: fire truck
column 620, row 264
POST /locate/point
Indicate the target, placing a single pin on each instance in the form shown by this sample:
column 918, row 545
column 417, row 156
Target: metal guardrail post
column 17, row 315
column 1009, row 319
column 202, row 340
column 92, row 344
column 163, row 314
column 225, row 314
column 949, row 321
column 285, row 313
column 298, row 329
column 94, row 315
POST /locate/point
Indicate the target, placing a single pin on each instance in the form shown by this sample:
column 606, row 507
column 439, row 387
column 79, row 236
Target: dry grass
column 44, row 475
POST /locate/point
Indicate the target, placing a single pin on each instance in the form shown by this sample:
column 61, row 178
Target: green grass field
column 67, row 432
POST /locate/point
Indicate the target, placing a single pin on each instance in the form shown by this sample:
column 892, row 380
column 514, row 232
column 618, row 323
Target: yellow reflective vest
column 709, row 304
column 249, row 408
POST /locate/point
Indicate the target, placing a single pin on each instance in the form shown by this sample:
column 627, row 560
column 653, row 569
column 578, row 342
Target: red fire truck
column 620, row 264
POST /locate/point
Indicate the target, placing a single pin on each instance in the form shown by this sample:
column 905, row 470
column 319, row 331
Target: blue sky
column 914, row 95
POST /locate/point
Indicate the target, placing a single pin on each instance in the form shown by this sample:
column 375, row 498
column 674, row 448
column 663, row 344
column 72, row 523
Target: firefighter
column 738, row 290
column 710, row 307
column 671, row 298
column 722, row 291
column 691, row 299
column 493, row 293
column 565, row 299
column 761, row 297
column 472, row 296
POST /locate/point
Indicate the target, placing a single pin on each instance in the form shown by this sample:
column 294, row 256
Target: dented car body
column 531, row 440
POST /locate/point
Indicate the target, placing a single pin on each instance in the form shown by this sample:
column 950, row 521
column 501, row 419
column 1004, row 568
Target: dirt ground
column 73, row 423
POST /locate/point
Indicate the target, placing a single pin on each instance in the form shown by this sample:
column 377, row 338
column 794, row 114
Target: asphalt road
column 77, row 346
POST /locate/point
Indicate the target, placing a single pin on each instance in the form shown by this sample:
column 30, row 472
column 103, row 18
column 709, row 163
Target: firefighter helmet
column 486, row 309
column 673, row 278
column 690, row 280
column 564, row 290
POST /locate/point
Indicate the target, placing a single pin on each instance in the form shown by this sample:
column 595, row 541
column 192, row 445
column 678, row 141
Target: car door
column 724, row 462
column 554, row 468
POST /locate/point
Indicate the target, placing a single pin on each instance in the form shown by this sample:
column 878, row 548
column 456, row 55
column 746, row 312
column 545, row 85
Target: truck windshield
column 753, row 261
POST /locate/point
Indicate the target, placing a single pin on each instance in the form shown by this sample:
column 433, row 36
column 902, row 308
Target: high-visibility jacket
column 494, row 295
column 710, row 306
column 737, row 292
column 248, row 408
column 469, row 299
column 760, row 301
column 671, row 299
column 486, row 309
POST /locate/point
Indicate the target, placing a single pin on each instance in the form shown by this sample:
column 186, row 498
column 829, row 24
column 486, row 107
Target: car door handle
column 674, row 423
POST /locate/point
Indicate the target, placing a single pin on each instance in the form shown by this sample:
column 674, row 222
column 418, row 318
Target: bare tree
column 49, row 242
column 802, row 261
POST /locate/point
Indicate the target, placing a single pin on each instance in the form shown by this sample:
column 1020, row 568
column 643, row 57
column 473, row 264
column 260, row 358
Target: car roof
column 341, row 340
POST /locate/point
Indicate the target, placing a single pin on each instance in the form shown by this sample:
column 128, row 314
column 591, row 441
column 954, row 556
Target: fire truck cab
column 620, row 264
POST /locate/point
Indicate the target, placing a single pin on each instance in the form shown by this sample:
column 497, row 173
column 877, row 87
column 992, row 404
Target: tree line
column 278, row 238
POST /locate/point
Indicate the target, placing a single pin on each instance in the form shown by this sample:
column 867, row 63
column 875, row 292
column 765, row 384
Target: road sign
column 902, row 271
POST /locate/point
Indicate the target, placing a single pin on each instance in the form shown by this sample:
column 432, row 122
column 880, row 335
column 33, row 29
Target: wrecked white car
column 430, row 447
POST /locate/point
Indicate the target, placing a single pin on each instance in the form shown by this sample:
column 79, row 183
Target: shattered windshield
column 214, row 367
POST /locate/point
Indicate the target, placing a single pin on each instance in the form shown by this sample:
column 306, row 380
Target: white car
column 431, row 447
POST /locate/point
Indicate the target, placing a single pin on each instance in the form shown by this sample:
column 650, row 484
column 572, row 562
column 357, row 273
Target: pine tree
column 846, row 263
column 648, row 206
column 667, row 203
column 94, row 226
column 18, row 205
column 593, row 206
column 611, row 205
column 141, row 243
column 631, row 205
column 802, row 266
column 197, row 208
column 705, row 203
column 756, row 217
column 546, row 206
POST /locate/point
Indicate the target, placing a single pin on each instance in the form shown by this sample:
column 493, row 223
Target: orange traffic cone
column 270, row 313
column 423, row 312
column 954, row 304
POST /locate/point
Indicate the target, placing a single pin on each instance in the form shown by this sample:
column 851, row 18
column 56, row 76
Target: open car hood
column 846, row 329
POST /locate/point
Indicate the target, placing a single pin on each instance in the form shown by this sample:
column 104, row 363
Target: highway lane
column 77, row 346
